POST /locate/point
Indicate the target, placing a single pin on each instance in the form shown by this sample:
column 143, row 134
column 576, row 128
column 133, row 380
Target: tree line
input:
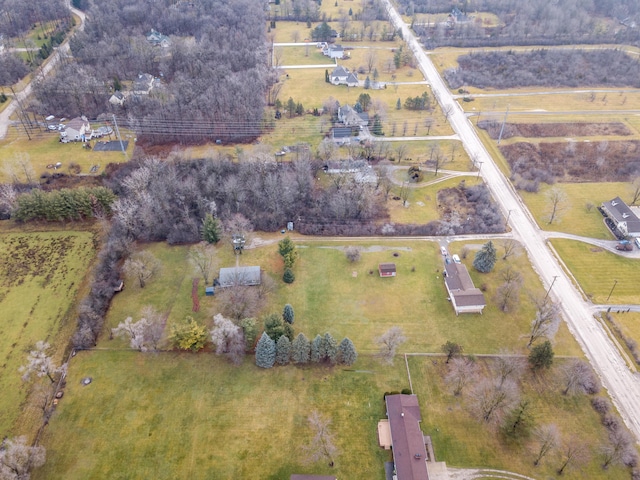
column 538, row 22
column 557, row 68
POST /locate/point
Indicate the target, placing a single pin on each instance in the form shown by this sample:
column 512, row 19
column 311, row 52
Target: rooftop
column 460, row 284
column 409, row 451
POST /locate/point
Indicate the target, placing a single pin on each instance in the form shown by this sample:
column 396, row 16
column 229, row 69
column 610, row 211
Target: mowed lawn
column 596, row 270
column 195, row 416
column 629, row 323
column 574, row 217
column 40, row 274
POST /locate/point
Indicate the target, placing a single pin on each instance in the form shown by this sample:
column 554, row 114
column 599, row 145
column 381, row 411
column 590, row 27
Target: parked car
column 625, row 246
column 456, row 258
column 443, row 251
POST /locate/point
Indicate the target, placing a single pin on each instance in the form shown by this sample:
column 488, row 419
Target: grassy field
column 460, row 440
column 302, row 56
column 576, row 219
column 195, row 416
column 629, row 324
column 40, row 274
column 45, row 149
column 596, row 270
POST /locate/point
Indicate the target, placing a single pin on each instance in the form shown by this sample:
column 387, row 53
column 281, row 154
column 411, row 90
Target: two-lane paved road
column 622, row 384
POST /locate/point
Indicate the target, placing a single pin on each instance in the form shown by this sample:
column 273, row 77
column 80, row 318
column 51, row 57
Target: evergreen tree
column 358, row 107
column 275, row 327
column 347, row 354
column 250, row 331
column 364, row 99
column 299, row 109
column 189, row 335
column 288, row 276
column 367, row 83
column 398, row 105
column 287, row 314
column 330, row 348
column 283, row 350
column 287, row 250
column 300, row 350
column 316, row 350
column 265, row 352
column 291, row 107
column 211, row 231
column 350, row 12
column 541, row 356
column 485, row 259
column 326, row 76
column 376, row 128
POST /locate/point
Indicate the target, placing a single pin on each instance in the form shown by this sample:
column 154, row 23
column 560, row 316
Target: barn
column 387, row 269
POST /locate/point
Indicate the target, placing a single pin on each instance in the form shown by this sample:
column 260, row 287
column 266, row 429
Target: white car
column 443, row 251
column 456, row 258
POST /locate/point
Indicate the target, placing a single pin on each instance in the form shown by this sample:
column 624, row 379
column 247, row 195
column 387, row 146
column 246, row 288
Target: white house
column 342, row 76
column 627, row 223
column 349, row 117
column 78, row 129
column 157, row 39
column 117, row 99
column 333, row 51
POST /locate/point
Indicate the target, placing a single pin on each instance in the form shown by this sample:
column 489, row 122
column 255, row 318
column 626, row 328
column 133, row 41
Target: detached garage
column 387, row 269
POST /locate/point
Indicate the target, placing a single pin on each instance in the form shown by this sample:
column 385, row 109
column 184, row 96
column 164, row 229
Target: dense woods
column 211, row 78
column 556, row 68
column 18, row 16
column 535, row 22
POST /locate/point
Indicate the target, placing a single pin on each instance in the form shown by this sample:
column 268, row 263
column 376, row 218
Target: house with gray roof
column 342, row 76
column 157, row 39
column 234, row 276
column 350, row 118
column 626, row 222
column 341, row 135
column 333, row 51
column 464, row 296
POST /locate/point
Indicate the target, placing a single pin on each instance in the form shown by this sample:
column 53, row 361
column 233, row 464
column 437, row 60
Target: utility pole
column 555, row 277
column 503, row 124
column 615, row 282
column 21, row 112
column 115, row 124
column 508, row 216
column 479, row 169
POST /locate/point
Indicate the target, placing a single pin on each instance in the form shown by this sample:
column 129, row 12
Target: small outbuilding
column 387, row 269
column 209, row 291
column 234, row 276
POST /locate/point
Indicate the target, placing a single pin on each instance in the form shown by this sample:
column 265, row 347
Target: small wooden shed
column 387, row 269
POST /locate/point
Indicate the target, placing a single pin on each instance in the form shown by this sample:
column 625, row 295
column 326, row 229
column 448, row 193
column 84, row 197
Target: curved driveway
column 622, row 384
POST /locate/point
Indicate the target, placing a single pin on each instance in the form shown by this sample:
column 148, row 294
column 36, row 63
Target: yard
column 40, row 275
column 596, row 270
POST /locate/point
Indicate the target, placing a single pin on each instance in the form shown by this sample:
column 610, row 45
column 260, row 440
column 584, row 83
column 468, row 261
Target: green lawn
column 310, row 55
column 40, row 274
column 171, row 416
column 596, row 270
column 576, row 219
column 629, row 324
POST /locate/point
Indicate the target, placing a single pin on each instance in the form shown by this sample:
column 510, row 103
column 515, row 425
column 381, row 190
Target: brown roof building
column 407, row 439
column 464, row 296
column 387, row 269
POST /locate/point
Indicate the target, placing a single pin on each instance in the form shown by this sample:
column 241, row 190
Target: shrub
column 289, row 276
column 601, row 405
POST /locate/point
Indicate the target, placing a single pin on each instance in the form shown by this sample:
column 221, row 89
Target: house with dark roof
column 341, row 135
column 234, row 276
column 464, row 296
column 117, row 99
column 349, row 117
column 626, row 222
column 143, row 84
column 387, row 269
column 407, row 440
column 342, row 76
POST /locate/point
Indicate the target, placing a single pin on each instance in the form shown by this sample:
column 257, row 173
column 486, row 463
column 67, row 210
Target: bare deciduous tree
column 203, row 257
column 353, row 253
column 17, row 458
column 404, row 193
column 141, row 265
column 238, row 301
column 462, row 371
column 401, row 151
column 145, row 334
column 384, row 181
column 322, row 446
column 490, row 399
column 635, row 190
column 511, row 247
column 508, row 294
column 547, row 320
column 574, row 454
column 371, row 57
column 8, row 196
column 579, row 378
column 557, row 204
column 389, row 343
column 327, row 150
column 40, row 363
column 620, row 449
column 547, row 438
column 508, row 366
column 228, row 339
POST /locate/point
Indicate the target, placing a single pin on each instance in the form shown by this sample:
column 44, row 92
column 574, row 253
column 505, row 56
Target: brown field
column 536, row 130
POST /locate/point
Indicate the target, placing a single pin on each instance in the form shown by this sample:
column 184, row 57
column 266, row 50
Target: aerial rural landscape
column 306, row 239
